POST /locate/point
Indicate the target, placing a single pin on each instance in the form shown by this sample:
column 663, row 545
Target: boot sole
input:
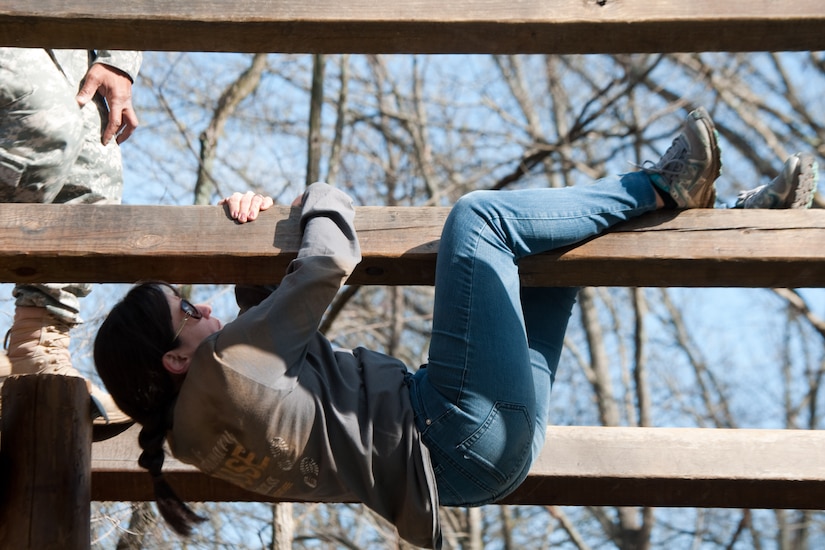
column 702, row 121
column 807, row 181
column 716, row 156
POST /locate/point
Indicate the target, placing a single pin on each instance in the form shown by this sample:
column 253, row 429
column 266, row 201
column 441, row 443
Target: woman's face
column 191, row 330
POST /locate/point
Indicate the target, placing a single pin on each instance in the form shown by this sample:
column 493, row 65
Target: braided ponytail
column 176, row 513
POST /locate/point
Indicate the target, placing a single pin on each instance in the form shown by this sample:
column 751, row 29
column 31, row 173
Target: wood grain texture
column 46, row 463
column 416, row 26
column 200, row 244
column 712, row 468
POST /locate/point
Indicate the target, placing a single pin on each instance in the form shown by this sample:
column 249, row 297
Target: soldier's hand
column 116, row 88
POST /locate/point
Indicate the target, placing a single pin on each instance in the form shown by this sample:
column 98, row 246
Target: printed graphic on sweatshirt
column 231, row 461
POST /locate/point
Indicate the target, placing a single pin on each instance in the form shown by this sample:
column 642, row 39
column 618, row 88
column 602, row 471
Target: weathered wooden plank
column 199, row 244
column 46, row 463
column 424, row 26
column 578, row 466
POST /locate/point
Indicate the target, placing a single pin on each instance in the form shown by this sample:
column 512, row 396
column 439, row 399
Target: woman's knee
column 473, row 206
column 475, row 202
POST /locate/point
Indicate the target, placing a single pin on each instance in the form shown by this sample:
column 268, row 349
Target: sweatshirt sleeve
column 274, row 335
column 328, row 225
column 127, row 61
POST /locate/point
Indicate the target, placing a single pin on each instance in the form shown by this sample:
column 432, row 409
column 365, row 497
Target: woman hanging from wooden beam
column 268, row 403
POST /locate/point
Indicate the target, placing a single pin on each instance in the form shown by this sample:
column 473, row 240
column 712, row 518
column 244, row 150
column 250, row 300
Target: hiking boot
column 687, row 171
column 794, row 187
column 39, row 343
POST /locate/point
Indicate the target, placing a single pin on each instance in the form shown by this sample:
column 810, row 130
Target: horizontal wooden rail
column 199, row 244
column 664, row 467
column 422, row 26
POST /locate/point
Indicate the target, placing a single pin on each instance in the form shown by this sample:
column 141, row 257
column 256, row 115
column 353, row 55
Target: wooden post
column 45, row 450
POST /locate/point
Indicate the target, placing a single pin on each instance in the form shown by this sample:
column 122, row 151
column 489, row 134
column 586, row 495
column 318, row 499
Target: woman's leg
column 476, row 400
column 481, row 402
column 546, row 313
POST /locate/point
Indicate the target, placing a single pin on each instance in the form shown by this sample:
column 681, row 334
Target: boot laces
column 673, row 162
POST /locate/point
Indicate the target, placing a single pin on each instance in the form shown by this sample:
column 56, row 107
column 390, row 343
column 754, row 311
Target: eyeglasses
column 188, row 309
column 189, row 312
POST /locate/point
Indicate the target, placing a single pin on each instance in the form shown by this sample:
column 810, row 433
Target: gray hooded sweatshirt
column 268, row 404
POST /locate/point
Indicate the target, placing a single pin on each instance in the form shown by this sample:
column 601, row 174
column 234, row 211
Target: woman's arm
column 283, row 324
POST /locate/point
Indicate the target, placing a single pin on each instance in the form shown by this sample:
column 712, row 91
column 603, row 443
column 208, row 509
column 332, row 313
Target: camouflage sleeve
column 126, row 61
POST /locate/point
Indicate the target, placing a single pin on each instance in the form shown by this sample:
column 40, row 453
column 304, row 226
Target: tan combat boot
column 39, row 343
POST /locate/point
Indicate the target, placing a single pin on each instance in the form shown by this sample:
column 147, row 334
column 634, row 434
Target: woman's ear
column 176, row 362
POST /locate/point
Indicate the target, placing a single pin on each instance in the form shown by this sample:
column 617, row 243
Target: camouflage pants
column 51, row 150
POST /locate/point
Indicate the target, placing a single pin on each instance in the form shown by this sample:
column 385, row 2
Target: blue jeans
column 482, row 401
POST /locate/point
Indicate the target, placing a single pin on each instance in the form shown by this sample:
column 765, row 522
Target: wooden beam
column 199, row 244
column 663, row 467
column 46, row 463
column 421, row 26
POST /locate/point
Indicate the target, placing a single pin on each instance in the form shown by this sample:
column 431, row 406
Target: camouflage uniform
column 50, row 148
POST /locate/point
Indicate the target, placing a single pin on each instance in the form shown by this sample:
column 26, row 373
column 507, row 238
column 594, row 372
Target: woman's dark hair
column 128, row 354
